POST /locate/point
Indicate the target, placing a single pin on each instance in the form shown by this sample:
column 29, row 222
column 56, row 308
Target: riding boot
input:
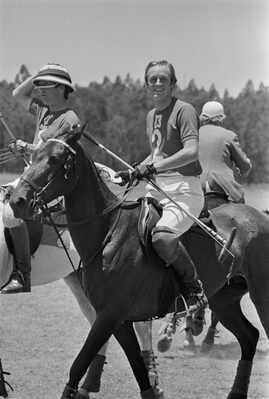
column 192, row 288
column 92, row 381
column 21, row 276
column 172, row 251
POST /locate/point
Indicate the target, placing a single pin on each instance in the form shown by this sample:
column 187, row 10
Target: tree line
column 116, row 112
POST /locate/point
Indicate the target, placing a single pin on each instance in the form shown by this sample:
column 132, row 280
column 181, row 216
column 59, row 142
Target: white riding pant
column 186, row 191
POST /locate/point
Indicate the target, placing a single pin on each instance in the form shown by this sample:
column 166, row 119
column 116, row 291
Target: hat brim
column 55, row 79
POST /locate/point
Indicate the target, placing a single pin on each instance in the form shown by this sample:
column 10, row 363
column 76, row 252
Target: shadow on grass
column 230, row 351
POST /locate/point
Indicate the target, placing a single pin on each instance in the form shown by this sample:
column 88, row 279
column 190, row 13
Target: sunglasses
column 162, row 79
column 45, row 83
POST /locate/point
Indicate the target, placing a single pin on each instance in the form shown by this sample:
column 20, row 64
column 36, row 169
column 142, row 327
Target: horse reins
column 38, row 200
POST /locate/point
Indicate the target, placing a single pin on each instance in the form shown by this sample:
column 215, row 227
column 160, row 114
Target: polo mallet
column 11, row 135
column 225, row 244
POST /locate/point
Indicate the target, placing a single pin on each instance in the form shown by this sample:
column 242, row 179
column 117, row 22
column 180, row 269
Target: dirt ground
column 41, row 333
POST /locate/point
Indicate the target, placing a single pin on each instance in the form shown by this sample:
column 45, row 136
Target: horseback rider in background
column 224, row 163
column 222, row 158
column 172, row 130
column 45, row 95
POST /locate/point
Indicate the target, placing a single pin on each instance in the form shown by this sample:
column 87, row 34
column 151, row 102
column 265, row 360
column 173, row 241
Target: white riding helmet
column 212, row 111
column 54, row 73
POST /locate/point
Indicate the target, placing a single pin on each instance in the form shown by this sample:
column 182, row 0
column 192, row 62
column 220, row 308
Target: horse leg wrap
column 151, row 365
column 92, row 380
column 148, row 394
column 241, row 381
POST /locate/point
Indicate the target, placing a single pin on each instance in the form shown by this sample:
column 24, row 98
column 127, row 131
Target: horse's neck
column 215, row 199
column 91, row 196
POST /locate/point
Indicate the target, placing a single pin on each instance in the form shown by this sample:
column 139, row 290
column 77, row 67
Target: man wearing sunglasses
column 45, row 95
column 172, row 130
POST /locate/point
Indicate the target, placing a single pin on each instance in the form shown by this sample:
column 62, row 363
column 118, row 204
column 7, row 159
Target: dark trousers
column 21, row 246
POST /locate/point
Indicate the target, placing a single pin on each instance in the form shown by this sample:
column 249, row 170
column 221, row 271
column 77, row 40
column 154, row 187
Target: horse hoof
column 237, row 396
column 205, row 348
column 197, row 327
column 189, row 345
column 148, row 394
column 158, row 392
column 164, row 343
column 208, row 342
column 69, row 393
column 81, row 395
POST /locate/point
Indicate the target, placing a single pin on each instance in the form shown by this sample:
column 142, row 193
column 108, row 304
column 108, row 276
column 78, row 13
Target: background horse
column 124, row 283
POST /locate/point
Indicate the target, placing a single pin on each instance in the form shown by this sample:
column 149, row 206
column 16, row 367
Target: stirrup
column 190, row 309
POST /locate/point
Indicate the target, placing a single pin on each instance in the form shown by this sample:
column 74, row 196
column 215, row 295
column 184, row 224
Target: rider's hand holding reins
column 20, row 146
column 142, row 171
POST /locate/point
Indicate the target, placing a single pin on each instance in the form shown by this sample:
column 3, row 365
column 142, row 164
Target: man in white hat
column 220, row 154
column 45, row 95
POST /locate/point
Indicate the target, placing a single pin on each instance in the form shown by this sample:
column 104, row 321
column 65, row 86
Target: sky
column 225, row 42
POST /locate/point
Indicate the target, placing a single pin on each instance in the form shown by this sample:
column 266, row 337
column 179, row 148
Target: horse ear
column 76, row 132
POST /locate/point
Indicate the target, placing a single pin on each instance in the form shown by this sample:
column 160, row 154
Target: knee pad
column 165, row 243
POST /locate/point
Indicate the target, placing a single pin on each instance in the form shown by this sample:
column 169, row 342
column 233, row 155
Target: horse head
column 54, row 171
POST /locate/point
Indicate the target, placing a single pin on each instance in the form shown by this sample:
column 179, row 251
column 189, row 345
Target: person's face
column 50, row 92
column 159, row 83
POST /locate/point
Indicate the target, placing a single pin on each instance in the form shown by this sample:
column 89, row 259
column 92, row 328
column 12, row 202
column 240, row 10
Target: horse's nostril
column 21, row 201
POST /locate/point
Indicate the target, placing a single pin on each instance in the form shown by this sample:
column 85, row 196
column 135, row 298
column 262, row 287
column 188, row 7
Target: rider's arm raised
column 24, row 93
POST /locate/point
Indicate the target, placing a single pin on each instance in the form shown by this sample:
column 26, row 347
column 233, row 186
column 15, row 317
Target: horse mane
column 102, row 186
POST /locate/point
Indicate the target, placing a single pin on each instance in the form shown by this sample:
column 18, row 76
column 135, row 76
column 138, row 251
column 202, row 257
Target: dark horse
column 123, row 283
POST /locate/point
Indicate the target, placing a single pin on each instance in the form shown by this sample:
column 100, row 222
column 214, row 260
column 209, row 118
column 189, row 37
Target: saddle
column 149, row 214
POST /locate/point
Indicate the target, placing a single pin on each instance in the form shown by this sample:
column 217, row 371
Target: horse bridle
column 39, row 202
column 38, row 191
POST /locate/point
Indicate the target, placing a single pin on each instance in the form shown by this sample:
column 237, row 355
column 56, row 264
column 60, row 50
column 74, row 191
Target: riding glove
column 142, row 171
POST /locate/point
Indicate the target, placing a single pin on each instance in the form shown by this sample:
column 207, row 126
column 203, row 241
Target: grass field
column 41, row 333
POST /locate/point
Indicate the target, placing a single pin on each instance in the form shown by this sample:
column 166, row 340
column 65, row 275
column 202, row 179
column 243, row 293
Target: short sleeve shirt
column 50, row 123
column 170, row 128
